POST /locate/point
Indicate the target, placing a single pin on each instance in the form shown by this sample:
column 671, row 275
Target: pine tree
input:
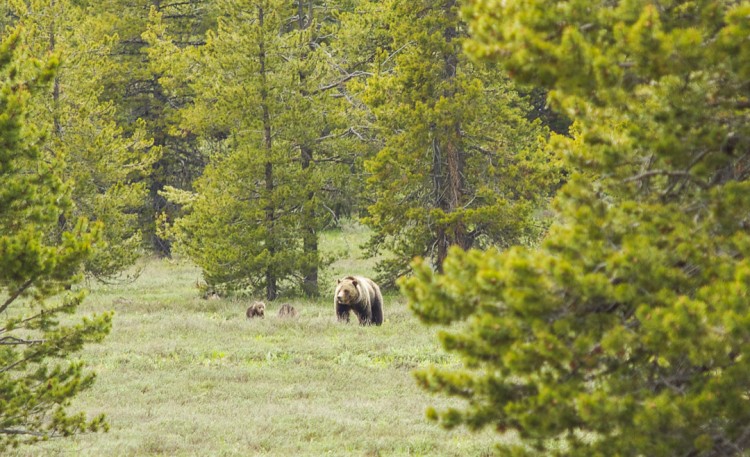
column 141, row 88
column 107, row 167
column 37, row 380
column 460, row 162
column 273, row 136
column 627, row 332
column 358, row 30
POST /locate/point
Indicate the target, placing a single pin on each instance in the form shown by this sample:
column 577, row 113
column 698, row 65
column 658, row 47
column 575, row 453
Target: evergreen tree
column 273, row 135
column 627, row 332
column 37, row 381
column 460, row 164
column 141, row 88
column 107, row 168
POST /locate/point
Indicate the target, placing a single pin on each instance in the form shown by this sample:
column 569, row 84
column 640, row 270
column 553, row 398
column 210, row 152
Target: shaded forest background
column 234, row 133
column 217, row 124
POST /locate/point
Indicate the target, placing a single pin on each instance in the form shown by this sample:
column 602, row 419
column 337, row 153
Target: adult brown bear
column 360, row 295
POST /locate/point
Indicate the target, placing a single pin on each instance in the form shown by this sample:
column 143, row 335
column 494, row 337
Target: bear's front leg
column 342, row 311
column 362, row 315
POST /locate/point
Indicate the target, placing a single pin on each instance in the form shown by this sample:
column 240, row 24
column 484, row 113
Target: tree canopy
column 37, row 376
column 277, row 144
column 626, row 332
column 460, row 163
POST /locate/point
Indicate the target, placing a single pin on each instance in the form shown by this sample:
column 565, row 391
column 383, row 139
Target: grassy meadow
column 180, row 375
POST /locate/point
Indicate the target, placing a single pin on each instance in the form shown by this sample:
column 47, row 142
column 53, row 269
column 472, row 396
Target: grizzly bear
column 287, row 310
column 256, row 309
column 360, row 295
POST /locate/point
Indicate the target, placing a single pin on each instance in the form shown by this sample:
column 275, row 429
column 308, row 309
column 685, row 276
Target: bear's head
column 347, row 292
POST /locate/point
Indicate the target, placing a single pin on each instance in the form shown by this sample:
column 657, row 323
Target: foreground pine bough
column 37, row 382
column 627, row 332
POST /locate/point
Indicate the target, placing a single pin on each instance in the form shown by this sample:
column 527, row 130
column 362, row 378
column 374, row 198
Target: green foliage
column 627, row 331
column 36, row 384
column 136, row 82
column 277, row 142
column 460, row 163
column 106, row 167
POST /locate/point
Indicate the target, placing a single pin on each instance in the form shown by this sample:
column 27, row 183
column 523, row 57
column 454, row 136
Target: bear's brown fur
column 359, row 295
column 287, row 310
column 257, row 309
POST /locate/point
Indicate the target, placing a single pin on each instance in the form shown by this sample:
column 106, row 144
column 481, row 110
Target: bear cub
column 361, row 296
column 287, row 310
column 257, row 309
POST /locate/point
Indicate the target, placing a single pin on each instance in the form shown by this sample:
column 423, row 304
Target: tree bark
column 309, row 229
column 271, row 279
column 309, row 235
column 449, row 162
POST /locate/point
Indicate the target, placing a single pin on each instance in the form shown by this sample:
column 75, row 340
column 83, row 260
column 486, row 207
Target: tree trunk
column 309, row 229
column 448, row 163
column 62, row 220
column 309, row 235
column 56, row 82
column 271, row 280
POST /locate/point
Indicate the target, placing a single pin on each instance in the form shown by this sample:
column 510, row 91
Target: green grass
column 180, row 375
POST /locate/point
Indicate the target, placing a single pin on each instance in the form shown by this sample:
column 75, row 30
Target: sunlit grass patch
column 180, row 375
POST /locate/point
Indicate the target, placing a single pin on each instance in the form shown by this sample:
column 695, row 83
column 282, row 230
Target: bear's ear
column 354, row 282
column 338, row 281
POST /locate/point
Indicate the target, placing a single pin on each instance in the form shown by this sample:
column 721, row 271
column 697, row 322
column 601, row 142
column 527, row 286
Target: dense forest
column 566, row 179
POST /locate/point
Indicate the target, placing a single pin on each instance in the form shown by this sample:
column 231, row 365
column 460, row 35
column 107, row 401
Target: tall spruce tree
column 460, row 162
column 37, row 377
column 273, row 134
column 628, row 331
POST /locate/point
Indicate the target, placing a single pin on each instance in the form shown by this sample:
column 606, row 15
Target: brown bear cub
column 360, row 295
column 287, row 310
column 257, row 309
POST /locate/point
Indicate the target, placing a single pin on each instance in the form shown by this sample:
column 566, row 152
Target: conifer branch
column 36, row 316
column 12, row 340
column 670, row 173
column 16, row 294
column 9, row 431
column 173, row 5
column 341, row 81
